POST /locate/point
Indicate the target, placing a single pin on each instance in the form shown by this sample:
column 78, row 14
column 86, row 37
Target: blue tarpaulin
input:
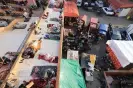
column 103, row 28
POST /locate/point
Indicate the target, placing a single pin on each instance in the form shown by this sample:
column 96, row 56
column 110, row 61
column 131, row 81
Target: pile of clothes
column 53, row 29
column 78, row 42
column 8, row 58
column 49, row 58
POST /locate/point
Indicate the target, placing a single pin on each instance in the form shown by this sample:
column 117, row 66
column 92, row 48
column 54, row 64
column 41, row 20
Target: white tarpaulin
column 123, row 51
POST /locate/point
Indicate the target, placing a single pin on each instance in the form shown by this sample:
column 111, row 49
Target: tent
column 123, row 51
column 70, row 9
column 71, row 75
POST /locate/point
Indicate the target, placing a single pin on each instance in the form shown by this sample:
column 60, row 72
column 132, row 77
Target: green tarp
column 71, row 75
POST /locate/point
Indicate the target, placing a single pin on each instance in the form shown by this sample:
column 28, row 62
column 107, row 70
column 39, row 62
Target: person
column 37, row 3
column 30, row 12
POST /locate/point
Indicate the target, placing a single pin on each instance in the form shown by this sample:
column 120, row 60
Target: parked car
column 79, row 3
column 99, row 3
column 116, row 35
column 108, row 11
column 3, row 23
column 88, row 5
column 20, row 26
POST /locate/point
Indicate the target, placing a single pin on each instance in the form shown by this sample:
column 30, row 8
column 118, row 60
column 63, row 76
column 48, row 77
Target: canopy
column 103, row 28
column 70, row 9
column 123, row 50
column 71, row 75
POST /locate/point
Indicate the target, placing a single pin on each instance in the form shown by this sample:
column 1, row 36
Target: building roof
column 116, row 4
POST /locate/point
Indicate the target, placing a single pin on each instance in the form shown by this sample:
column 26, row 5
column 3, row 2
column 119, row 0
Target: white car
column 108, row 11
column 99, row 3
column 3, row 24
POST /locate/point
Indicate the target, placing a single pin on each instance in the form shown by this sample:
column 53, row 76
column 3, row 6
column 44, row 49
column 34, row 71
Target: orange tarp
column 70, row 9
column 113, row 58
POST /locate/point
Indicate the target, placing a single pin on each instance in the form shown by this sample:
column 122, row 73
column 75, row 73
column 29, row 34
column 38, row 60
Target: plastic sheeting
column 123, row 51
column 71, row 75
column 103, row 28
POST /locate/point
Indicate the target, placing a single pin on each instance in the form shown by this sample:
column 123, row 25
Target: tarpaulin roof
column 120, row 4
column 70, row 9
column 123, row 50
column 71, row 75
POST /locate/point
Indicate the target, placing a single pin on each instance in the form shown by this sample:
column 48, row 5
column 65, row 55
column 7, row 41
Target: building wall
column 124, row 12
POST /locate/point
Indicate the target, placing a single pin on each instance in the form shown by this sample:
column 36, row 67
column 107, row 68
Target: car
column 116, row 35
column 99, row 3
column 79, row 2
column 3, row 24
column 108, row 11
column 20, row 26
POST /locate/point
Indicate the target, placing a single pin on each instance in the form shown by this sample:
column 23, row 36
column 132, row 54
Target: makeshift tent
column 103, row 28
column 71, row 75
column 122, row 52
column 70, row 9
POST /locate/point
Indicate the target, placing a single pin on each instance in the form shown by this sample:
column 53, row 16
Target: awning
column 71, row 75
column 70, row 9
column 123, row 50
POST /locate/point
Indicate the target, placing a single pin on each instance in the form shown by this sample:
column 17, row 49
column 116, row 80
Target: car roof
column 116, row 34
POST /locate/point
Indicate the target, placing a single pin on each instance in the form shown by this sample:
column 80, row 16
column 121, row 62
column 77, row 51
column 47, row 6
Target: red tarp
column 116, row 4
column 70, row 9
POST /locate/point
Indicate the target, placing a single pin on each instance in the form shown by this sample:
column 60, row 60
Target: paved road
column 99, row 49
column 106, row 19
